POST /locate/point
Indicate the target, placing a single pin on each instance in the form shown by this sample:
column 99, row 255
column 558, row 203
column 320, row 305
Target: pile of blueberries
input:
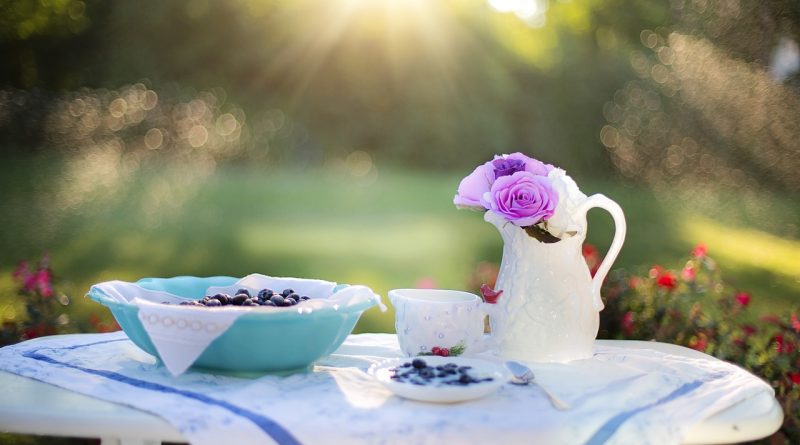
column 418, row 372
column 265, row 297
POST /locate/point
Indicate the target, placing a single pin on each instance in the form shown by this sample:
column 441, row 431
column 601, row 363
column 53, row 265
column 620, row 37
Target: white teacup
column 438, row 321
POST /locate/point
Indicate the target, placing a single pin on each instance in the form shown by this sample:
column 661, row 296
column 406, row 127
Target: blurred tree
column 713, row 104
column 433, row 84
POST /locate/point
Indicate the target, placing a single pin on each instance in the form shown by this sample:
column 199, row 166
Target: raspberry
column 444, row 352
column 436, row 350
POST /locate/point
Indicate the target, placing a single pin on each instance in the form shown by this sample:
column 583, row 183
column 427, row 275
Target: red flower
column 667, row 280
column 489, row 295
column 748, row 329
column 699, row 343
column 795, row 323
column 688, row 273
column 700, row 250
column 782, row 346
column 627, row 323
column 794, row 377
column 743, row 299
column 592, row 257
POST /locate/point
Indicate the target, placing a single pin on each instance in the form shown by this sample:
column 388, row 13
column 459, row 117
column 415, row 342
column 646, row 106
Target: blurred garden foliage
column 430, row 83
column 675, row 90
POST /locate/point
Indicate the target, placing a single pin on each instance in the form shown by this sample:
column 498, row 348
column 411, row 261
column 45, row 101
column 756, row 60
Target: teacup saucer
column 491, row 376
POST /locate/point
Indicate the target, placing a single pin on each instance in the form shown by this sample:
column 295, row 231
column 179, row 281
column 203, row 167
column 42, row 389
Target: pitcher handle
column 615, row 210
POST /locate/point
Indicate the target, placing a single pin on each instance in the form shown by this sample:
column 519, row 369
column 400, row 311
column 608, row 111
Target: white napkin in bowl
column 180, row 334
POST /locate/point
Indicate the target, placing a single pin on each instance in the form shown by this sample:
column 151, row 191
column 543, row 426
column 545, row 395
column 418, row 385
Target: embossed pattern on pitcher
column 549, row 309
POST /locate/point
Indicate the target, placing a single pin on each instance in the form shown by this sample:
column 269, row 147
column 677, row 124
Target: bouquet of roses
column 535, row 196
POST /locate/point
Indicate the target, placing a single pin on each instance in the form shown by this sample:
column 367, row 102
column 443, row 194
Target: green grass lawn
column 386, row 232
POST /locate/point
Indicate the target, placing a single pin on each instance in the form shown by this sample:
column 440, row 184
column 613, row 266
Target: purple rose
column 507, row 165
column 472, row 188
column 522, row 198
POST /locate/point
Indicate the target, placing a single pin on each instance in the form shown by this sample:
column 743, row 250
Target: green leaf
column 541, row 234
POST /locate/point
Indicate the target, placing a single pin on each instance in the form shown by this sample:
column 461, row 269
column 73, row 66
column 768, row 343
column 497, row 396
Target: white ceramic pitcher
column 549, row 309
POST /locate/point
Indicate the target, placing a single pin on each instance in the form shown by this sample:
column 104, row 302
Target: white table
column 31, row 407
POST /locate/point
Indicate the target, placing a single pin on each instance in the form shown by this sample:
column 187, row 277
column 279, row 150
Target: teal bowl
column 259, row 342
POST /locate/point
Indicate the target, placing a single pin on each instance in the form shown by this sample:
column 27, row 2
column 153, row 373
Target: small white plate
column 443, row 393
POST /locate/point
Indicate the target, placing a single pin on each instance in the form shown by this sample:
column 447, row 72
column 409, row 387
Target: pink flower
column 22, row 272
column 795, row 323
column 426, row 283
column 689, row 273
column 655, row 271
column 743, row 299
column 472, row 188
column 667, row 280
column 44, row 282
column 748, row 329
column 523, row 198
column 700, row 250
column 627, row 323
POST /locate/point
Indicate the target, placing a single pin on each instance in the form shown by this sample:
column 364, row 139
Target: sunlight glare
column 529, row 11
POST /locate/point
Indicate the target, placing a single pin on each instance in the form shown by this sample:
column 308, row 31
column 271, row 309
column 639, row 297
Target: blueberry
column 406, row 365
column 426, row 373
column 243, row 291
column 465, row 379
column 287, row 292
column 264, row 294
column 464, row 369
column 269, row 303
column 240, row 298
column 291, row 301
column 418, row 363
column 304, row 298
column 277, row 299
column 222, row 298
column 213, row 303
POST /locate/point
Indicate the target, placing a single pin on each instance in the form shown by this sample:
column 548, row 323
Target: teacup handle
column 603, row 202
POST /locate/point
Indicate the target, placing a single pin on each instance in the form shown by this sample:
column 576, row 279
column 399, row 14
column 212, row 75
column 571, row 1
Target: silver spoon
column 522, row 375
